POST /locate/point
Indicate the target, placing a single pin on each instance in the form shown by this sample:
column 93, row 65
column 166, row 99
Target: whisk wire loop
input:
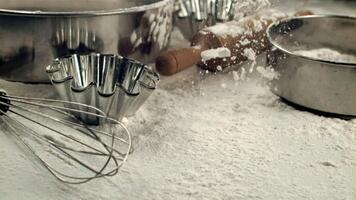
column 70, row 144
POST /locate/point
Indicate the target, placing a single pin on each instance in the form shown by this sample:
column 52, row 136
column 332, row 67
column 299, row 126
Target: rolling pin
column 234, row 39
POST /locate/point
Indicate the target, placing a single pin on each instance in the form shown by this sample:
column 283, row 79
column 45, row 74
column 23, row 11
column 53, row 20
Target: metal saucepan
column 323, row 85
column 34, row 32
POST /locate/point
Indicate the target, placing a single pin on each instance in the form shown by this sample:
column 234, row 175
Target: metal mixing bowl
column 34, row 32
column 322, row 85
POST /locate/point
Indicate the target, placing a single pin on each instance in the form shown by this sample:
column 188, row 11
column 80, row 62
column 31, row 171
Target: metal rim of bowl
column 150, row 6
column 284, row 50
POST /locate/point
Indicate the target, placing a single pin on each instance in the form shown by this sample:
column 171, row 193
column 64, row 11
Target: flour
column 239, row 27
column 231, row 28
column 221, row 52
column 240, row 75
column 327, row 54
column 245, row 42
column 250, row 54
column 213, row 139
column 267, row 72
column 249, row 7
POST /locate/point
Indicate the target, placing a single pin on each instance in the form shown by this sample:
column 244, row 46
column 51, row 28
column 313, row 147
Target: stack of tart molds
column 114, row 84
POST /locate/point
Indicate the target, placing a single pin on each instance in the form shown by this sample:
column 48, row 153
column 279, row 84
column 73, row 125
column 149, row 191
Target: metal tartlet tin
column 114, row 84
column 193, row 15
column 322, row 85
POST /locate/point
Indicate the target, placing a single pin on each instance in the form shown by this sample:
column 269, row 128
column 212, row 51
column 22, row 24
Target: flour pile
column 328, row 55
column 215, row 53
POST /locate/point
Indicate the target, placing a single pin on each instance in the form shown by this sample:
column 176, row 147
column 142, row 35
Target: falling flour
column 248, row 7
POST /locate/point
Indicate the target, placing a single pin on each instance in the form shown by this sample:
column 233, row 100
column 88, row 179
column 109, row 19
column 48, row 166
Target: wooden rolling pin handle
column 175, row 61
column 303, row 13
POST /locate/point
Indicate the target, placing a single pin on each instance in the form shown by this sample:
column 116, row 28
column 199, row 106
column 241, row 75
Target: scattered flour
column 210, row 140
column 206, row 138
column 267, row 72
column 257, row 26
column 245, row 42
column 239, row 75
column 327, row 54
column 250, row 54
column 238, row 27
column 235, row 76
column 231, row 28
column 248, row 7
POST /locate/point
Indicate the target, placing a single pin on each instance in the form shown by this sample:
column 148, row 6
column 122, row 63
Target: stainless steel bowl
column 34, row 32
column 322, row 85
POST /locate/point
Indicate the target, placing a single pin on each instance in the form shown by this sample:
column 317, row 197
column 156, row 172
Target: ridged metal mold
column 114, row 84
column 193, row 15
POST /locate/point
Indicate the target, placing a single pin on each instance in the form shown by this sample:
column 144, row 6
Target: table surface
column 208, row 137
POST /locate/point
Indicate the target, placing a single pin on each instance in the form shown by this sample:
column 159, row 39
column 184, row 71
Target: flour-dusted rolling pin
column 220, row 46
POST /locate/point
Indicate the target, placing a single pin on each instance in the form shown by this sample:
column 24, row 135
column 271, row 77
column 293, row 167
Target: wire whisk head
column 68, row 148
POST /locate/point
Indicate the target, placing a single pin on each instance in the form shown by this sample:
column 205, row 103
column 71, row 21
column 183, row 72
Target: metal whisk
column 69, row 149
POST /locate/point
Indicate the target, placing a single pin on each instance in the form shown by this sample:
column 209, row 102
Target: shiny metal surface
column 116, row 85
column 193, row 15
column 34, row 32
column 314, row 83
column 70, row 150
